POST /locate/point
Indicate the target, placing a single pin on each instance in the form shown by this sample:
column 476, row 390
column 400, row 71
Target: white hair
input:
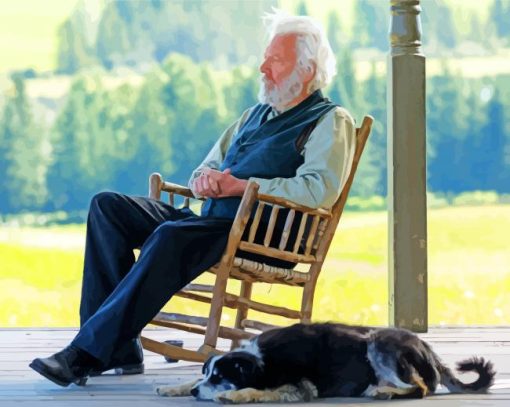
column 312, row 45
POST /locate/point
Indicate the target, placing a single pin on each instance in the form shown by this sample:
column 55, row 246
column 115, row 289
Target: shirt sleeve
column 328, row 156
column 217, row 154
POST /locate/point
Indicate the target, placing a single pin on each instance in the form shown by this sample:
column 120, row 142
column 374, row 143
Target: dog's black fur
column 341, row 361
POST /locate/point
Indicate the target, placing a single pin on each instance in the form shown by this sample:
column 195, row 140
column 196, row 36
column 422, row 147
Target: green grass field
column 469, row 273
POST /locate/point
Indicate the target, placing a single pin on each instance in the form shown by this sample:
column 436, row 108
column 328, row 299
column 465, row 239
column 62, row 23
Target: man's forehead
column 282, row 45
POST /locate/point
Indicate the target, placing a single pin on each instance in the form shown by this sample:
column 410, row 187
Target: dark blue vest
column 267, row 148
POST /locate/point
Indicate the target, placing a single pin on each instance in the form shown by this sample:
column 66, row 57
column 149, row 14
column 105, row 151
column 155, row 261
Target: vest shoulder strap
column 304, row 136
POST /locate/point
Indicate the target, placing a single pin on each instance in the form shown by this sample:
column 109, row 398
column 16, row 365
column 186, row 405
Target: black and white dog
column 305, row 361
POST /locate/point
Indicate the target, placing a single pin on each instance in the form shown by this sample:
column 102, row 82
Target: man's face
column 281, row 81
column 279, row 60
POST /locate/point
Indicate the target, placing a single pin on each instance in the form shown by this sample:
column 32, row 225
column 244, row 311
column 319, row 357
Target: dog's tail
column 483, row 368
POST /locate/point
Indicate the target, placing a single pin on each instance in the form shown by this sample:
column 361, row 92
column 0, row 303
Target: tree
column 190, row 98
column 240, row 93
column 334, row 31
column 113, row 36
column 374, row 95
column 500, row 17
column 493, row 146
column 471, row 164
column 301, row 9
column 344, row 87
column 371, row 24
column 85, row 149
column 136, row 33
column 446, row 131
column 23, row 154
column 446, row 31
column 74, row 52
column 438, row 24
column 149, row 137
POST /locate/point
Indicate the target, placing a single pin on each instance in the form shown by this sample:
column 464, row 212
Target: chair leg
column 242, row 311
column 307, row 302
column 173, row 351
column 218, row 297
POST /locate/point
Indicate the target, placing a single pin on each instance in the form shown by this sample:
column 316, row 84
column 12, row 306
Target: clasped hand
column 218, row 184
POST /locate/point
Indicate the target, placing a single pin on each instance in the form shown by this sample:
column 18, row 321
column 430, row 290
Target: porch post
column 407, row 203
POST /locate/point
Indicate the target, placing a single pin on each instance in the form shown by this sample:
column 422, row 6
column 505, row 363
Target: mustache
column 280, row 95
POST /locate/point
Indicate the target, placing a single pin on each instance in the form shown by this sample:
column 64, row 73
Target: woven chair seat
column 250, row 270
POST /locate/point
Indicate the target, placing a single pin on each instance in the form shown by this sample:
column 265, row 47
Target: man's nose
column 194, row 391
column 264, row 68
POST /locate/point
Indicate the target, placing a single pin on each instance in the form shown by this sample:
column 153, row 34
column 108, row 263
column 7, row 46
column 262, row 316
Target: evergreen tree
column 476, row 32
column 136, row 33
column 334, row 32
column 113, row 36
column 493, row 147
column 74, row 52
column 446, row 31
column 343, row 90
column 446, row 131
column 23, row 154
column 473, row 163
column 84, row 149
column 374, row 95
column 371, row 24
column 240, row 93
column 500, row 17
column 301, row 9
column 190, row 98
column 149, row 137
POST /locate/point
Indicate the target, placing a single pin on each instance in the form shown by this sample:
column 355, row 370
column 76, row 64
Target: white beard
column 279, row 97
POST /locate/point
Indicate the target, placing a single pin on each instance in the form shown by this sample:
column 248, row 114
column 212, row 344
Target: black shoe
column 120, row 369
column 70, row 365
column 126, row 360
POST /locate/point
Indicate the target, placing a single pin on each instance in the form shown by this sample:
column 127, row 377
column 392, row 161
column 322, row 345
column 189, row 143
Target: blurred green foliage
column 112, row 136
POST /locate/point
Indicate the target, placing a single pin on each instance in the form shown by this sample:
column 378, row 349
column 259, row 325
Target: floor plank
column 19, row 385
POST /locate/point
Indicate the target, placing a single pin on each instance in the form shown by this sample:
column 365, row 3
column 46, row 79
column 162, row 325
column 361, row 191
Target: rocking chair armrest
column 285, row 203
column 157, row 185
column 178, row 189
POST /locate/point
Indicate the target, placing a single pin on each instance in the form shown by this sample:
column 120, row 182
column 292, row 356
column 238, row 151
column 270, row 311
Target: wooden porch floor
column 20, row 386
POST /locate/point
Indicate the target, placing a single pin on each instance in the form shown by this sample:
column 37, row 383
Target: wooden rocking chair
column 315, row 230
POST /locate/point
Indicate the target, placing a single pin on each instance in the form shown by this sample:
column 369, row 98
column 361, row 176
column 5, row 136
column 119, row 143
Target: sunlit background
column 96, row 95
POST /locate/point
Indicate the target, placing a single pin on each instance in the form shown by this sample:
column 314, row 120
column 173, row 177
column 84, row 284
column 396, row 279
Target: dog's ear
column 206, row 364
column 249, row 369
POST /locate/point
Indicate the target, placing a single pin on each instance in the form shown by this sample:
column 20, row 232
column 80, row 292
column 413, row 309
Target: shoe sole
column 41, row 369
column 123, row 370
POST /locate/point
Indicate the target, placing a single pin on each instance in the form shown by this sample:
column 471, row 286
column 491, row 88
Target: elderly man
column 295, row 144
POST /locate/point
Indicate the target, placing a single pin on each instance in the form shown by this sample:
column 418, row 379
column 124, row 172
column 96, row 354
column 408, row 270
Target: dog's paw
column 164, row 391
column 182, row 390
column 242, row 396
column 170, row 391
column 309, row 390
column 225, row 397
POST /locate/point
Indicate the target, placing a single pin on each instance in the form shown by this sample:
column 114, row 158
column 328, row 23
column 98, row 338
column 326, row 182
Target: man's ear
column 310, row 72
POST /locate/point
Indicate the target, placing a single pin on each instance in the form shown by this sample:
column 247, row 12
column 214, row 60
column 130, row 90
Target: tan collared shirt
column 327, row 154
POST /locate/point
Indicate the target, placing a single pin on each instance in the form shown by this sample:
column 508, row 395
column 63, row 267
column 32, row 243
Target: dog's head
column 232, row 371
